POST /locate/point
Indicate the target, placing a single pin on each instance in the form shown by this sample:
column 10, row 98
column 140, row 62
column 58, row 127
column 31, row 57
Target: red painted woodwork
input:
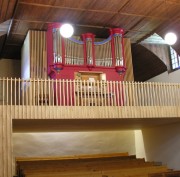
column 85, row 37
column 63, row 71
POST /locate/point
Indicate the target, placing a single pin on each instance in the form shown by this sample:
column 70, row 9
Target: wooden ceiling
column 139, row 19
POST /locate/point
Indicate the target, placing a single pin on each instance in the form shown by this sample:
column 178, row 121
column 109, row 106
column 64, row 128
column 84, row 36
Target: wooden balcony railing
column 85, row 93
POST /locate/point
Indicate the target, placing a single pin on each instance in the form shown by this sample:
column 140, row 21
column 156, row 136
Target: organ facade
column 67, row 56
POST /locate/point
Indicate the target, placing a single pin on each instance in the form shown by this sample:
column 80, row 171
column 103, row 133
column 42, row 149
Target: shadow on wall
column 10, row 68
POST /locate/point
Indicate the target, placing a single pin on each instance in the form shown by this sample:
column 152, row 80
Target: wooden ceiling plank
column 172, row 12
column 46, row 17
column 114, row 16
column 162, row 26
column 7, row 9
column 30, row 21
column 69, row 8
column 62, row 2
column 173, row 2
column 110, row 5
column 82, row 25
column 4, row 7
column 94, row 10
column 79, row 3
column 70, row 16
column 1, row 2
column 13, row 14
column 142, row 19
column 20, row 27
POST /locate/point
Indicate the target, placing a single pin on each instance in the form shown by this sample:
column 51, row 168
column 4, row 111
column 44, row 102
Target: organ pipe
column 87, row 52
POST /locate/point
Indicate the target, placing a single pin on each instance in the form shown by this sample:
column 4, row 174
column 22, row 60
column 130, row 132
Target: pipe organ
column 84, row 70
column 57, row 47
column 73, row 52
column 103, row 53
column 85, row 51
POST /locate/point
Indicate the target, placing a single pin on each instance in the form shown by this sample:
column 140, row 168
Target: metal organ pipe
column 73, row 52
column 87, row 53
column 118, row 51
column 103, row 53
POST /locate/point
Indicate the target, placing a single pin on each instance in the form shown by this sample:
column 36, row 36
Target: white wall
column 161, row 143
column 173, row 77
column 72, row 143
column 25, row 58
column 139, row 144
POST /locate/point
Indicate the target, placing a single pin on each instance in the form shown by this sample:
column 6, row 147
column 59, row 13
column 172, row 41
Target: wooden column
column 6, row 155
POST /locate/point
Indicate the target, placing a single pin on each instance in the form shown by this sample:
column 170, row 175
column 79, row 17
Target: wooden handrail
column 16, row 91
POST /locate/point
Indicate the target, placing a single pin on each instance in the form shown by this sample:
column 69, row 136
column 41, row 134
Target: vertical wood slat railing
column 85, row 93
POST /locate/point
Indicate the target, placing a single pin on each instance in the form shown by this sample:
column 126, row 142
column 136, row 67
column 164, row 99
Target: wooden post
column 6, row 163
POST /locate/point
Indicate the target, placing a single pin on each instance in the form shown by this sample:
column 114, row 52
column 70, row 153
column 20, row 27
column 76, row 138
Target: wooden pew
column 116, row 165
column 166, row 174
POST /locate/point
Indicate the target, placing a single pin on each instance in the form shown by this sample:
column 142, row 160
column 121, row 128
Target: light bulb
column 170, row 38
column 66, row 30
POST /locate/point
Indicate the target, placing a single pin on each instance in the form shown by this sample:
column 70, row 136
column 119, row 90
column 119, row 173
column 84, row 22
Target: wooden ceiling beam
column 6, row 9
column 93, row 10
column 66, row 8
column 118, row 12
column 161, row 27
column 80, row 25
column 141, row 20
column 30, row 21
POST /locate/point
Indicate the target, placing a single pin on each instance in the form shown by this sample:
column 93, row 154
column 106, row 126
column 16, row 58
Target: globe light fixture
column 170, row 38
column 66, row 30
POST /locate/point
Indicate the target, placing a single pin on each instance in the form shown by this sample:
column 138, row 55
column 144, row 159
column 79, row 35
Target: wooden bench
column 116, row 165
column 166, row 174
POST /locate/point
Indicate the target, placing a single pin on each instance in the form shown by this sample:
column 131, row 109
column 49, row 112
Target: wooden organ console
column 84, row 55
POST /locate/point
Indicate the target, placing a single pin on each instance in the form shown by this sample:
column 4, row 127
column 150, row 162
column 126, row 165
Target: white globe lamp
column 170, row 38
column 66, row 30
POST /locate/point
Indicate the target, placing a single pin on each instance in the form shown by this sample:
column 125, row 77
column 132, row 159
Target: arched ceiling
column 145, row 64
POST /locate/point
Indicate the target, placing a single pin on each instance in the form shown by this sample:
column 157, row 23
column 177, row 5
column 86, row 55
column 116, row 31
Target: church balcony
column 77, row 99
